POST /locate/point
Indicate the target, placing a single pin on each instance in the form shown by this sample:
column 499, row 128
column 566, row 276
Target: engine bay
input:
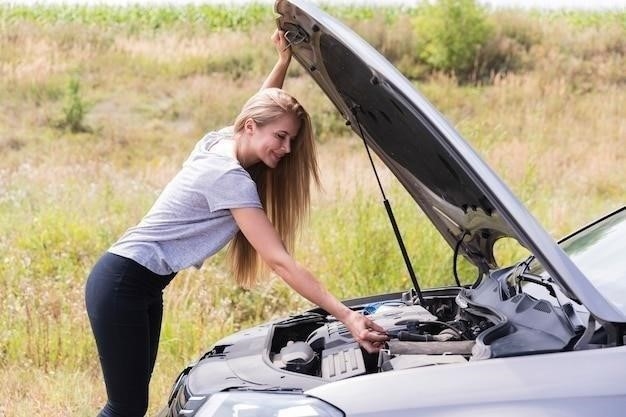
column 491, row 320
column 325, row 348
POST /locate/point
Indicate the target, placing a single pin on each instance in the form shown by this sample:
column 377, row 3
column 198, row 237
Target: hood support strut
column 392, row 218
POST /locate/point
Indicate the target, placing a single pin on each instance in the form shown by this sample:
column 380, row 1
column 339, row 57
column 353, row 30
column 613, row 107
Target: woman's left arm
column 260, row 232
column 276, row 77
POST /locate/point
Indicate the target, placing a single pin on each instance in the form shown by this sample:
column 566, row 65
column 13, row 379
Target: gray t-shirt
column 191, row 220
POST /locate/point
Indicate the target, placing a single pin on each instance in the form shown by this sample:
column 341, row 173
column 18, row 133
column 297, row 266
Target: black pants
column 125, row 307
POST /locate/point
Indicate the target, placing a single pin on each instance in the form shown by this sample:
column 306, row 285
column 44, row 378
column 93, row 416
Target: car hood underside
column 464, row 199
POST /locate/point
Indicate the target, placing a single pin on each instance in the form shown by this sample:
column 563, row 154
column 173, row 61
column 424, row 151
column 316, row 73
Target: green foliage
column 74, row 108
column 353, row 15
column 451, row 34
column 373, row 261
column 328, row 123
column 139, row 17
column 588, row 19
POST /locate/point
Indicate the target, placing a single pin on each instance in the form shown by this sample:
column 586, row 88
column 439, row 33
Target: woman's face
column 273, row 141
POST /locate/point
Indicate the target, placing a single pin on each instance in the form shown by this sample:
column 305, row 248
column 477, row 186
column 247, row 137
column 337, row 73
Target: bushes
column 466, row 41
column 507, row 49
column 456, row 37
column 74, row 109
column 463, row 39
column 451, row 34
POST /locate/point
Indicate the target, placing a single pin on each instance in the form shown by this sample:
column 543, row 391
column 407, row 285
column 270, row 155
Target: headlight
column 264, row 404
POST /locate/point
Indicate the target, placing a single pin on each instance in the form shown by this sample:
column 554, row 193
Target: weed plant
column 150, row 82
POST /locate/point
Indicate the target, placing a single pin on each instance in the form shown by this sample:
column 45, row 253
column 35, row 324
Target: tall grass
column 152, row 83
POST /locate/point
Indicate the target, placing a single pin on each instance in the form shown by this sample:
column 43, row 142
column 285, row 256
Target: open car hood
column 455, row 188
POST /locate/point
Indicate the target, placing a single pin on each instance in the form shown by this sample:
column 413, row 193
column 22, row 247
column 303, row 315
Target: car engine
column 491, row 320
column 328, row 350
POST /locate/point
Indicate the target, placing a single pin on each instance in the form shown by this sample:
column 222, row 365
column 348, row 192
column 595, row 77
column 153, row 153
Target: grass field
column 100, row 106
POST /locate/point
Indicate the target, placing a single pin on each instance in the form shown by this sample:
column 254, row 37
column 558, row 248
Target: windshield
column 598, row 251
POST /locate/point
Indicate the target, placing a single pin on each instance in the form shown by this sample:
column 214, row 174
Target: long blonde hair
column 285, row 190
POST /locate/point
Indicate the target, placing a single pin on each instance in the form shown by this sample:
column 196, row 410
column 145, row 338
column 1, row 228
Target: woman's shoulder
column 213, row 137
column 214, row 155
column 212, row 145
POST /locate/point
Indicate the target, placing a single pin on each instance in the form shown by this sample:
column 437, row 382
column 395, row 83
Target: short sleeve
column 234, row 189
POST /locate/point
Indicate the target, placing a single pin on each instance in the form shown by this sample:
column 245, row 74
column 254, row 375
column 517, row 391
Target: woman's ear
column 249, row 125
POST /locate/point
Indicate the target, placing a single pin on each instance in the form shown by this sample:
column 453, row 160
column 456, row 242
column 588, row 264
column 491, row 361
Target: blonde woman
column 247, row 184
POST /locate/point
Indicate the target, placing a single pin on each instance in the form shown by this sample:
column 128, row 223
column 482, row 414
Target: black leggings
column 125, row 306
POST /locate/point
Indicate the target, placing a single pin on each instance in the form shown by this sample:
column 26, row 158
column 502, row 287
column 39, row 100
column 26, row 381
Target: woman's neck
column 242, row 150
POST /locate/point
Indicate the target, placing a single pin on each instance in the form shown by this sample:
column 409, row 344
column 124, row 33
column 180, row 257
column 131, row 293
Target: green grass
column 151, row 82
column 140, row 17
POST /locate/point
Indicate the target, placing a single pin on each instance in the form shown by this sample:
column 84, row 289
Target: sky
column 544, row 4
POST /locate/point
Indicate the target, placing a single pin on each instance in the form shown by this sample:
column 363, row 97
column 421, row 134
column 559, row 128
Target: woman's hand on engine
column 370, row 335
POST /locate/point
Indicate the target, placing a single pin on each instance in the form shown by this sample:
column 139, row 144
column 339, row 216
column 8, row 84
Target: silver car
column 542, row 337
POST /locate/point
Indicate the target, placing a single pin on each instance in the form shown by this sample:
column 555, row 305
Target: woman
column 248, row 185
